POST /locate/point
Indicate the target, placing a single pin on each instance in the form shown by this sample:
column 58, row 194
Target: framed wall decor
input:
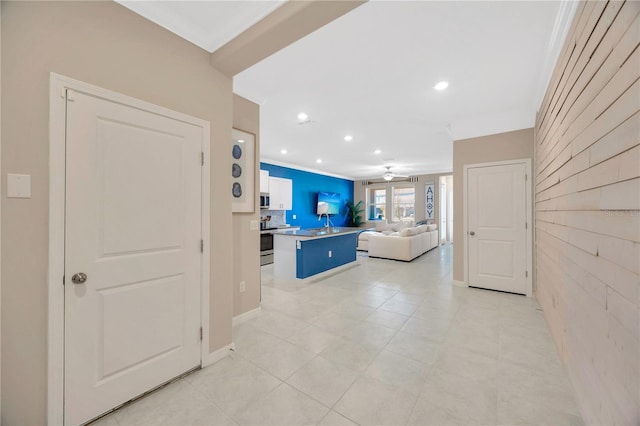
column 243, row 161
column 429, row 200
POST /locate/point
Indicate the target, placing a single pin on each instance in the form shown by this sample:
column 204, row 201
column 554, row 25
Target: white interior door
column 133, row 215
column 496, row 227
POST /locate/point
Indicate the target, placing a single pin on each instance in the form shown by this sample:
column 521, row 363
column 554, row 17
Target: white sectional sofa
column 406, row 244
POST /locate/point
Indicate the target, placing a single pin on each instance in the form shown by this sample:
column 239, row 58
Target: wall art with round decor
column 243, row 147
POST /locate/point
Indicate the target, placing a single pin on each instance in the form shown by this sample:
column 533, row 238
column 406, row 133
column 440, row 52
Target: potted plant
column 354, row 213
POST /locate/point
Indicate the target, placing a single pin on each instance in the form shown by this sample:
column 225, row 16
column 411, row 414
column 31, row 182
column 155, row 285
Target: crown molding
column 304, row 169
column 561, row 27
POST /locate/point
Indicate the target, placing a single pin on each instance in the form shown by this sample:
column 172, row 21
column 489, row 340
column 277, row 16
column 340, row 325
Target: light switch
column 294, row 217
column 254, row 225
column 18, row 186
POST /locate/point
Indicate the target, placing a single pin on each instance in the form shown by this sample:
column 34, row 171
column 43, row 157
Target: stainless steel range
column 266, row 246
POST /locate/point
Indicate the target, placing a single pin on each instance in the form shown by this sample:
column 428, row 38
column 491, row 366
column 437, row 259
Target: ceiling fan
column 389, row 175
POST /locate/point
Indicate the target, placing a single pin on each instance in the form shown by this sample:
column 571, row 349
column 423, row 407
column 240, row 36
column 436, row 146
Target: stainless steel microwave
column 264, row 201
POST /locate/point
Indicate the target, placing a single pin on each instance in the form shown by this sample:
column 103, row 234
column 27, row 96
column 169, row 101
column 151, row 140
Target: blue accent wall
column 306, row 186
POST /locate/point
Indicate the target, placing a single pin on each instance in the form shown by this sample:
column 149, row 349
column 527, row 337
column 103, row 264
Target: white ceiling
column 208, row 24
column 370, row 74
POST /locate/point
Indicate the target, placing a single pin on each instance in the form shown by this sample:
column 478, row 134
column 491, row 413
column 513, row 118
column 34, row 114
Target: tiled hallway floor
column 385, row 342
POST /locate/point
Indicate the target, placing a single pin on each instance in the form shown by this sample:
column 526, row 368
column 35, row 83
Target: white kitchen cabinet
column 264, row 181
column 280, row 193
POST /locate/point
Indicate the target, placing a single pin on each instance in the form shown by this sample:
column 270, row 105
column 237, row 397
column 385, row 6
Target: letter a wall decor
column 430, row 201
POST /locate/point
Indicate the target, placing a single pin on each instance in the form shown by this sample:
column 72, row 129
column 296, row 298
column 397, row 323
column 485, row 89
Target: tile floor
column 383, row 343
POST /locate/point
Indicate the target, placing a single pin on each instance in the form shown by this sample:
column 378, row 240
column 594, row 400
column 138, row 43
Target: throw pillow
column 432, row 227
column 381, row 226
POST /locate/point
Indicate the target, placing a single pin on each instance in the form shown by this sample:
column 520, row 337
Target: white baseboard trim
column 239, row 319
column 217, row 355
column 459, row 283
column 322, row 275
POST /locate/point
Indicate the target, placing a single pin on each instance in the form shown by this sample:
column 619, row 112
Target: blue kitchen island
column 307, row 254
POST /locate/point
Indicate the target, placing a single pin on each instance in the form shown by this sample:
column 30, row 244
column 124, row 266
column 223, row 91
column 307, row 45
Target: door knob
column 472, row 233
column 79, row 278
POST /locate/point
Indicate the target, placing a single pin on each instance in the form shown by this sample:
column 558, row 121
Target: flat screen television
column 328, row 203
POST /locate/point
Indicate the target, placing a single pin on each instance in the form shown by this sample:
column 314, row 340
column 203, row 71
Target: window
column 404, row 202
column 377, row 204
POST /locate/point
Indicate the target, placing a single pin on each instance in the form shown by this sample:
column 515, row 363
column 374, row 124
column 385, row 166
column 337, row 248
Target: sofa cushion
column 364, row 236
column 407, row 232
column 432, row 227
column 396, row 226
column 386, row 232
column 422, row 228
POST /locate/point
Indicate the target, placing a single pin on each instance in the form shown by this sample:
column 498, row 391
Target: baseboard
column 459, row 283
column 217, row 355
column 330, row 272
column 239, row 319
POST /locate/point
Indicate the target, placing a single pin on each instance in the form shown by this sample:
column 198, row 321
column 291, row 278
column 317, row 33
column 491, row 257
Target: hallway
column 384, row 342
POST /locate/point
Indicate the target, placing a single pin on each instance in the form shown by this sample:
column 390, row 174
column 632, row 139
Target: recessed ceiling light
column 377, row 151
column 283, row 151
column 303, row 117
column 319, row 160
column 441, row 86
column 348, row 138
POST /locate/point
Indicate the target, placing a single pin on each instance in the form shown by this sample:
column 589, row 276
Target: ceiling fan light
column 388, row 176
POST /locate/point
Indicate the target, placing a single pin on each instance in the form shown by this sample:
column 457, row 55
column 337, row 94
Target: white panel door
column 133, row 219
column 496, row 197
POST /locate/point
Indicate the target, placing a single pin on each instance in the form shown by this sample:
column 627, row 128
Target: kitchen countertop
column 277, row 229
column 319, row 232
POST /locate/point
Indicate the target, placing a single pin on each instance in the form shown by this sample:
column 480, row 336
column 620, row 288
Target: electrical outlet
column 243, row 287
column 330, row 253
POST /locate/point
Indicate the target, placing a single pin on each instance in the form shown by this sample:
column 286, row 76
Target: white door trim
column 57, row 159
column 529, row 213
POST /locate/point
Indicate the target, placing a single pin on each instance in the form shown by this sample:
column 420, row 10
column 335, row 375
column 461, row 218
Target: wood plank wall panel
column 587, row 198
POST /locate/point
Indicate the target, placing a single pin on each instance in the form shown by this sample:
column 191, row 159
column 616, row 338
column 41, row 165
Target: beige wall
column 246, row 243
column 103, row 44
column 587, row 193
column 485, row 149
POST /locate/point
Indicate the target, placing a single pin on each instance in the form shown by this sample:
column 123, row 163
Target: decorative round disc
column 236, row 170
column 236, row 151
column 237, row 190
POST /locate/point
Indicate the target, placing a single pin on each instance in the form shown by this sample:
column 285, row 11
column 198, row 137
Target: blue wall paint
column 306, row 186
column 313, row 255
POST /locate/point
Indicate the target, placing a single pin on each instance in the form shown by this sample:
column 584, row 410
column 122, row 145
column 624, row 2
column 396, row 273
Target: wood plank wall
column 587, row 198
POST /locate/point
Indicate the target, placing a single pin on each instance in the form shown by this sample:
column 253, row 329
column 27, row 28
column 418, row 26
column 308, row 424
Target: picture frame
column 243, row 165
column 430, row 200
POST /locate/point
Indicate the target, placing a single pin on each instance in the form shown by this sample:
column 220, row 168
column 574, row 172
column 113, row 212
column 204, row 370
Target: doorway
column 128, row 220
column 497, row 226
column 446, row 209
